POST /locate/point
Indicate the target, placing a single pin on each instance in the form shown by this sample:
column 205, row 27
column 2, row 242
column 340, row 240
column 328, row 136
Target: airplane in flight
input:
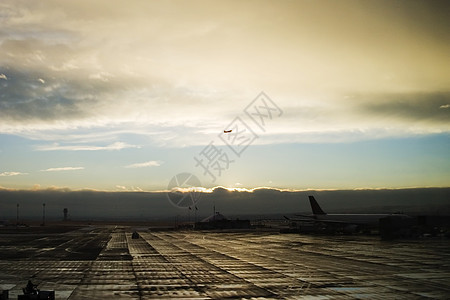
column 346, row 222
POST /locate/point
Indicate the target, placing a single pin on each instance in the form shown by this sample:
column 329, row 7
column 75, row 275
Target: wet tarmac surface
column 106, row 263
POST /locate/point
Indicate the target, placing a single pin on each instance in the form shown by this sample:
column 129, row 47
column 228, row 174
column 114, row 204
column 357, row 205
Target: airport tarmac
column 104, row 262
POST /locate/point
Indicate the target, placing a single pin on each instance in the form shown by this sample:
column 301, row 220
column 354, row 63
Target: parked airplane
column 345, row 222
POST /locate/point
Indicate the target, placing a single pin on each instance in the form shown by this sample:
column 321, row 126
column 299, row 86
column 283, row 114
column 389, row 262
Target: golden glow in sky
column 125, row 94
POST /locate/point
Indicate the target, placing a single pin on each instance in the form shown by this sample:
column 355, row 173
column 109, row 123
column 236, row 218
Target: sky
column 318, row 94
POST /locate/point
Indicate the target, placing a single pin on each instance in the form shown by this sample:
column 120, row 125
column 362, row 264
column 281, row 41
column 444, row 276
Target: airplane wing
column 306, row 220
column 335, row 222
column 306, row 216
column 312, row 218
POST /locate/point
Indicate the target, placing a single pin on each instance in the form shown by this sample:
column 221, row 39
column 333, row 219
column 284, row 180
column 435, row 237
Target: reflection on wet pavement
column 106, row 263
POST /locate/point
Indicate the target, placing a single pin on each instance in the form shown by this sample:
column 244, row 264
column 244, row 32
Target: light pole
column 43, row 214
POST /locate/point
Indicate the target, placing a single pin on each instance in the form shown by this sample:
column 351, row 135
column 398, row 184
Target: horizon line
column 209, row 190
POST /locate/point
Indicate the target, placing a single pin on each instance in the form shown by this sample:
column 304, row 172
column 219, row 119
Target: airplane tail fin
column 315, row 206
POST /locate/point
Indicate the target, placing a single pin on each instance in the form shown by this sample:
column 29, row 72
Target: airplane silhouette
column 348, row 222
column 360, row 219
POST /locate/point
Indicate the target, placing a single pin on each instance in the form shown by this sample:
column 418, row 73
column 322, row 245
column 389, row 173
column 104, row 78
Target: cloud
column 62, row 169
column 111, row 147
column 84, row 204
column 12, row 173
column 151, row 163
column 132, row 80
column 407, row 106
column 25, row 98
column 129, row 189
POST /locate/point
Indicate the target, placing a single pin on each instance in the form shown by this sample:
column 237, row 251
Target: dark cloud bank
column 94, row 205
column 430, row 107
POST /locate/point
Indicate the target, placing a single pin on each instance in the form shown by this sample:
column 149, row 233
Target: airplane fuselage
column 359, row 219
column 351, row 219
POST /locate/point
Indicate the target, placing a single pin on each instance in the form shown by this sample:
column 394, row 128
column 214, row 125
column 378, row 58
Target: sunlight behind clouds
column 108, row 81
column 85, row 66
